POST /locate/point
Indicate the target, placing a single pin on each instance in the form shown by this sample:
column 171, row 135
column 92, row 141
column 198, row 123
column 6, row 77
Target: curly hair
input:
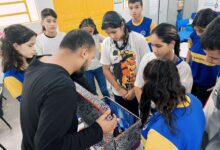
column 163, row 87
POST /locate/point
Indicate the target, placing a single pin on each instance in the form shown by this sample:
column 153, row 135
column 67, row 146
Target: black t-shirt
column 48, row 111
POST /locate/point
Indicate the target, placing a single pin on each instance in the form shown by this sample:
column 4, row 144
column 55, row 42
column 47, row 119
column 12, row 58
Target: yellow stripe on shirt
column 200, row 59
column 155, row 141
column 13, row 85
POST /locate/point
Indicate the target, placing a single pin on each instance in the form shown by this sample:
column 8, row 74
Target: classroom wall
column 189, row 7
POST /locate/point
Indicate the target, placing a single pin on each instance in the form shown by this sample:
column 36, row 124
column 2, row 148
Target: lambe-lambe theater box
column 126, row 136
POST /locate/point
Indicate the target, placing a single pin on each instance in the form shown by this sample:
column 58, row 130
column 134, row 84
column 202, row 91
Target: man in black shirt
column 49, row 99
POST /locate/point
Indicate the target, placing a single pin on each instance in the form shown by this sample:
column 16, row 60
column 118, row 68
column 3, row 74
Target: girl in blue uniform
column 204, row 73
column 17, row 47
column 177, row 118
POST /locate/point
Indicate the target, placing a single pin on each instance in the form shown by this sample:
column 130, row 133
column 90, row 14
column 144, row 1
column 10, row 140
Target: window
column 17, row 11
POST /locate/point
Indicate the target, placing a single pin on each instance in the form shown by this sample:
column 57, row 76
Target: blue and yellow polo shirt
column 189, row 123
column 204, row 73
column 13, row 81
column 144, row 27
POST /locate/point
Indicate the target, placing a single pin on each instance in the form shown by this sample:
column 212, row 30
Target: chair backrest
column 182, row 23
column 193, row 15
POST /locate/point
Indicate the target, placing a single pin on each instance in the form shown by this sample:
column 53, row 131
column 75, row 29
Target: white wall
column 41, row 4
column 209, row 4
column 125, row 11
column 189, row 7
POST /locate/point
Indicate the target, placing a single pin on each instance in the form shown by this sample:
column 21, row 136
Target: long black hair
column 114, row 20
column 88, row 22
column 168, row 33
column 163, row 87
column 14, row 34
column 204, row 17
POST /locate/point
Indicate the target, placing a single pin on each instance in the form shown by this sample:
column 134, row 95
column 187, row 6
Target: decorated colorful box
column 127, row 134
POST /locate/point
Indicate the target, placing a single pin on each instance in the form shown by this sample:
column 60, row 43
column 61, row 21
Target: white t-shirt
column 95, row 62
column 47, row 45
column 183, row 69
column 124, row 63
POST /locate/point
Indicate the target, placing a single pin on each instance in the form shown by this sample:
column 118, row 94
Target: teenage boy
column 211, row 43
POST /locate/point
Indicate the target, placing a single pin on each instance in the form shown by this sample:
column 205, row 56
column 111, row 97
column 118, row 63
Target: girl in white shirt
column 165, row 45
column 95, row 68
column 122, row 51
column 49, row 41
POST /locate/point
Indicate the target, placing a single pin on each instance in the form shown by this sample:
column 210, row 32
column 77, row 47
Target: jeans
column 97, row 74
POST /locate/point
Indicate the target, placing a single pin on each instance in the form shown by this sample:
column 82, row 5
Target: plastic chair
column 193, row 15
column 180, row 24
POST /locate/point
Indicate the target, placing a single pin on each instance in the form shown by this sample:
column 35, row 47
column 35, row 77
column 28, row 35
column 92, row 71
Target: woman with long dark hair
column 17, row 46
column 177, row 120
column 121, row 54
column 165, row 44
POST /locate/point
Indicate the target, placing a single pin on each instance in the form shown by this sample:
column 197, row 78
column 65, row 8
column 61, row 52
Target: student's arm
column 109, row 76
column 105, row 61
column 57, row 117
column 38, row 46
column 155, row 140
column 186, row 77
column 14, row 86
column 138, row 92
column 188, row 57
column 139, row 81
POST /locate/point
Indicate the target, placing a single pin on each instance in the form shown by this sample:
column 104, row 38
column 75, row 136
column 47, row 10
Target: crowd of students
column 141, row 63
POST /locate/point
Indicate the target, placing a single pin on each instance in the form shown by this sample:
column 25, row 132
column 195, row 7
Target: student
column 204, row 73
column 48, row 42
column 178, row 121
column 210, row 41
column 165, row 44
column 95, row 69
column 139, row 23
column 49, row 99
column 17, row 46
column 122, row 52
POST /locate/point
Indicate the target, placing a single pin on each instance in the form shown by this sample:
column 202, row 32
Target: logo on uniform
column 143, row 32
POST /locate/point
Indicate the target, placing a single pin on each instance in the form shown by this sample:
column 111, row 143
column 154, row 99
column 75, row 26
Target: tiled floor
column 10, row 139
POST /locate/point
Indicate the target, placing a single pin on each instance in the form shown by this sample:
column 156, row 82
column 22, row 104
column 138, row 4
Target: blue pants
column 97, row 74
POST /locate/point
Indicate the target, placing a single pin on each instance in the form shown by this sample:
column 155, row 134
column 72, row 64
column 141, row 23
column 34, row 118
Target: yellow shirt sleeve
column 13, row 85
column 152, row 26
column 190, row 43
column 155, row 141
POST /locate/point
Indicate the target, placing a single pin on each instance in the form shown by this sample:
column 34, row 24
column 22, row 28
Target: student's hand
column 107, row 126
column 122, row 92
column 130, row 95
